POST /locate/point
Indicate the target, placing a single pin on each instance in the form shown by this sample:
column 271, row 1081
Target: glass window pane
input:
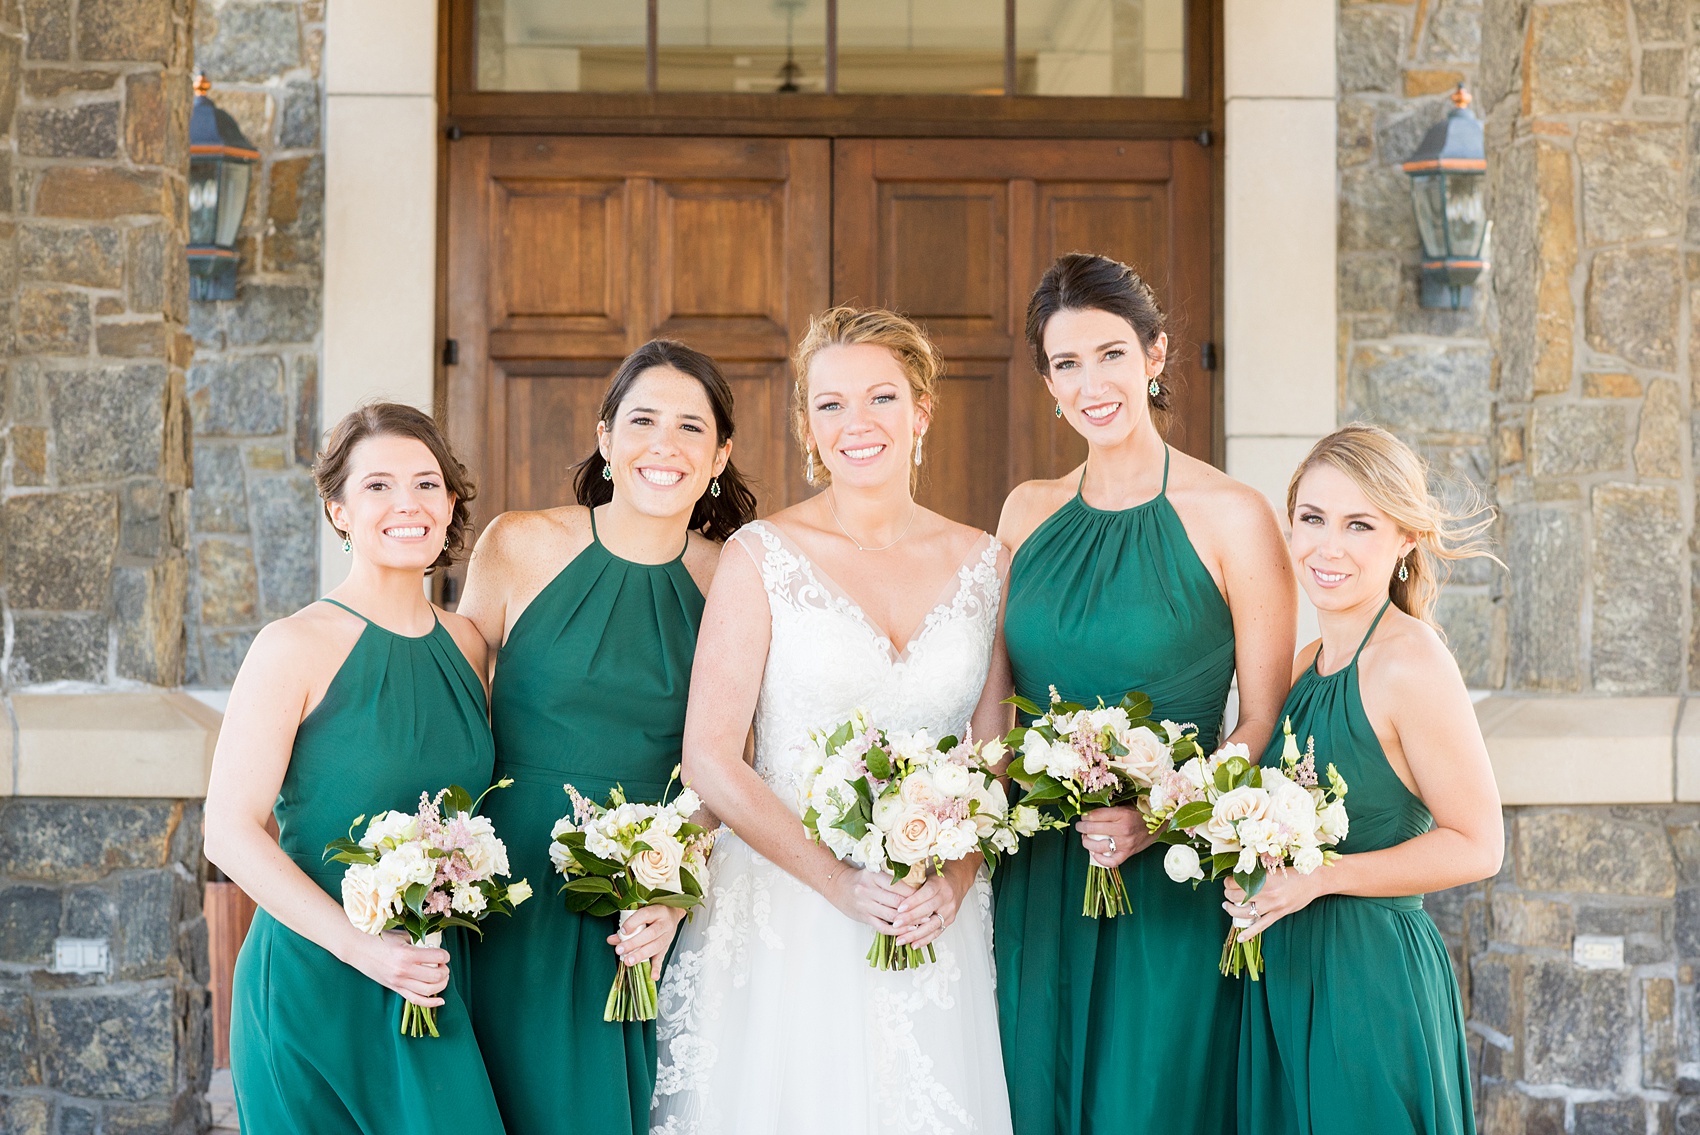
column 743, row 46
column 933, row 47
column 1101, row 47
column 545, row 45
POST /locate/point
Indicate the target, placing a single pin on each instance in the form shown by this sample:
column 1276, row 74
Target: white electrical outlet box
column 81, row 955
column 1598, row 951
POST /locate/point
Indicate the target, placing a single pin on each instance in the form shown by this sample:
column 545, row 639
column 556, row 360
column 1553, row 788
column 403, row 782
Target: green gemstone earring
column 714, row 487
column 1404, row 572
column 1155, row 388
column 347, row 546
column 1059, row 409
column 607, row 472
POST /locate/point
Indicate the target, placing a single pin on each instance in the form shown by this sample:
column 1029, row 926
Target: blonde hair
column 1396, row 481
column 850, row 326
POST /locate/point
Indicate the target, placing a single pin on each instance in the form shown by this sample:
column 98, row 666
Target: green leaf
column 591, row 885
column 1190, row 815
column 1252, row 882
column 947, row 744
column 415, row 898
column 879, row 763
column 1222, row 863
column 1045, row 789
column 899, row 871
column 1136, row 704
column 1025, row 705
column 457, row 802
column 677, row 902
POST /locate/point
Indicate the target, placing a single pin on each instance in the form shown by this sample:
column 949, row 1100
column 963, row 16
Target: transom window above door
column 787, row 48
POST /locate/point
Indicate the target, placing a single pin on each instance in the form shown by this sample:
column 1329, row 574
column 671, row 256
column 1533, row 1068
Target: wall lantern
column 221, row 162
column 1447, row 179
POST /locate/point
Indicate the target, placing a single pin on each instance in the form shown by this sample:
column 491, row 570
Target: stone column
column 103, row 1003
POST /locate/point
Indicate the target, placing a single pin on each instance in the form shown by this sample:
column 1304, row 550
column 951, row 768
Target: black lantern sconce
column 221, row 163
column 1447, row 173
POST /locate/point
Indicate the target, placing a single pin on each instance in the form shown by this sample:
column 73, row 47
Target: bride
column 771, row 1020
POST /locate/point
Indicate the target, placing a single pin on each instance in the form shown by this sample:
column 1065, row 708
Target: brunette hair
column 1396, row 481
column 1083, row 281
column 716, row 517
column 394, row 419
column 921, row 361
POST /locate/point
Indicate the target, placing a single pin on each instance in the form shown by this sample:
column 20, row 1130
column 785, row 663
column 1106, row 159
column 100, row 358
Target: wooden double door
column 566, row 253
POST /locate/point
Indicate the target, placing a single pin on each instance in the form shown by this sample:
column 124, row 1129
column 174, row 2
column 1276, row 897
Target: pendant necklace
column 914, row 507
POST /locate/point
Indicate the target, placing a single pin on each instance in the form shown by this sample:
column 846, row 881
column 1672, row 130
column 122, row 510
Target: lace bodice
column 827, row 658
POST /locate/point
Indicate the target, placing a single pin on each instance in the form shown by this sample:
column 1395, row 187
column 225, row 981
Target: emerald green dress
column 1117, row 1024
column 1357, row 1024
column 315, row 1046
column 590, row 690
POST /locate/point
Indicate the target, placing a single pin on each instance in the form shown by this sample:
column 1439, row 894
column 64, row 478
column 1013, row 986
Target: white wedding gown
column 771, row 1020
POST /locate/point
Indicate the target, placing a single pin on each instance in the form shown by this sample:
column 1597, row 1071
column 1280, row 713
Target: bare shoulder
column 298, row 647
column 1209, row 490
column 1410, row 661
column 702, row 557
column 519, row 536
column 467, row 636
column 1306, row 655
column 1030, row 504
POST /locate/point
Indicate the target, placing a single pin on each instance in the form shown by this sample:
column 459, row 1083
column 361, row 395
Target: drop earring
column 607, row 472
column 347, row 546
column 809, row 469
column 1155, row 388
column 1404, row 572
column 714, row 487
column 1059, row 409
column 919, row 438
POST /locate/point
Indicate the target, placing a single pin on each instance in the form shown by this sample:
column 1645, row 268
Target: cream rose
column 658, row 868
column 1025, row 820
column 1332, row 823
column 1307, row 859
column 1147, row 755
column 468, row 899
column 920, row 788
column 1231, row 807
column 365, row 899
column 953, row 779
column 886, row 810
column 911, row 840
column 397, row 827
column 956, row 839
column 518, row 892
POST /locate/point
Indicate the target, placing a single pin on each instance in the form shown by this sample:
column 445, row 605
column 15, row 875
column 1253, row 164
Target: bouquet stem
column 1238, row 956
column 633, row 996
column 1106, row 893
column 885, row 953
column 418, row 1020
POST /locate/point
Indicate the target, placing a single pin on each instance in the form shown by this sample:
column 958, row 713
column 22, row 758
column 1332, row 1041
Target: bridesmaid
column 1357, row 1024
column 591, row 611
column 352, row 705
column 1142, row 570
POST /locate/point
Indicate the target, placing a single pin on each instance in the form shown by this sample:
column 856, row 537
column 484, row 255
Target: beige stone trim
column 146, row 743
column 1583, row 750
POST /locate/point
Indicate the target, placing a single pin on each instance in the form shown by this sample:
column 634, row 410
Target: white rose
column 1181, row 863
column 1004, row 840
column 666, row 821
column 1147, row 755
column 658, row 868
column 869, row 851
column 914, row 747
column 911, row 839
column 486, row 855
column 1331, row 822
column 518, row 892
column 398, row 827
column 559, row 857
column 468, row 899
column 1231, row 807
column 886, row 810
column 1112, row 718
column 953, row 780
column 1307, row 859
column 1291, row 805
column 365, row 898
column 1261, row 836
column 1025, row 820
column 956, row 839
column 993, row 752
column 919, row 788
column 687, row 802
column 838, row 841
column 1197, row 773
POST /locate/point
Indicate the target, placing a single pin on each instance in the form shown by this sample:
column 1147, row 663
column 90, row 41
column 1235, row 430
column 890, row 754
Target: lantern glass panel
column 203, row 200
column 1466, row 214
column 232, row 200
column 1428, row 191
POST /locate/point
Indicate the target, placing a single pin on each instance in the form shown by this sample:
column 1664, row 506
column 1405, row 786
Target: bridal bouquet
column 623, row 856
column 1073, row 760
column 1228, row 815
column 901, row 802
column 425, row 871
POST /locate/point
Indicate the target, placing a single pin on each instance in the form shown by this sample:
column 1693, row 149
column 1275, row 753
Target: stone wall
column 94, row 104
column 253, row 387
column 128, row 1052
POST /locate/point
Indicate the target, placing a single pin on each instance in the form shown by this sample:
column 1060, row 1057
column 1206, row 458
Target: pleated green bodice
column 1357, row 1024
column 590, row 690
column 1101, row 603
column 314, row 1043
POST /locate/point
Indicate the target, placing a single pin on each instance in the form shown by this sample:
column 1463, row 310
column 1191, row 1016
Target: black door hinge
column 451, row 352
column 1207, row 356
column 1205, row 138
column 454, row 133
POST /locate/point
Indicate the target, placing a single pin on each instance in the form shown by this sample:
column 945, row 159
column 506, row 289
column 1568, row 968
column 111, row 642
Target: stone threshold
column 1593, row 750
column 145, row 743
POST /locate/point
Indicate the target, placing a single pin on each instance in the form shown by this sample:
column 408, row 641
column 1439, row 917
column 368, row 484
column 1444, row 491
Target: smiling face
column 661, row 444
column 1098, row 373
column 1344, row 548
column 394, row 506
column 863, row 417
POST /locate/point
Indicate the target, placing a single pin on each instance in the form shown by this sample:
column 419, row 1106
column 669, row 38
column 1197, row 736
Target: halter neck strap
column 345, row 607
column 1376, row 623
column 435, row 622
column 1162, row 491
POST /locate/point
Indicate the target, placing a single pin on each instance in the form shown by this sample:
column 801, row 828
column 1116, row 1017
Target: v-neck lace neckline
column 948, row 594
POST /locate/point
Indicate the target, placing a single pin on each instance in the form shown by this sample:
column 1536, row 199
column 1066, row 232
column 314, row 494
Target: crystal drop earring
column 1059, row 409
column 809, row 470
column 919, row 438
column 607, row 472
column 347, row 546
column 1155, row 388
column 1404, row 572
column 714, row 487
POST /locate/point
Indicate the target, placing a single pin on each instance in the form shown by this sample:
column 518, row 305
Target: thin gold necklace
column 914, row 507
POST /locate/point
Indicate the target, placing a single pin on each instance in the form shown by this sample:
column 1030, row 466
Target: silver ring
column 940, row 917
column 1251, row 905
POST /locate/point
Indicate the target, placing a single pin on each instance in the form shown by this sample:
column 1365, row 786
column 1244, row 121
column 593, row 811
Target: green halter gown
column 590, row 690
column 1117, row 1024
column 315, row 1046
column 1357, row 1024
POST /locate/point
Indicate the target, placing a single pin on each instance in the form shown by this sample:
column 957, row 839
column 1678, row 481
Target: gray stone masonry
column 128, row 1051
